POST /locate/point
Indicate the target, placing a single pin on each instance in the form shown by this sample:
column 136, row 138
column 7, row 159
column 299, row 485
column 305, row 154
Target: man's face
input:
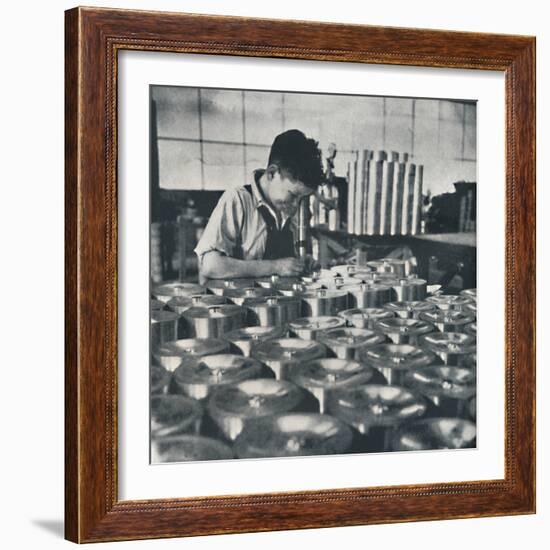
column 285, row 193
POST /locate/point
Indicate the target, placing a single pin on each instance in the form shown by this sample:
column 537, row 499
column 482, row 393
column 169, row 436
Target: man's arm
column 216, row 265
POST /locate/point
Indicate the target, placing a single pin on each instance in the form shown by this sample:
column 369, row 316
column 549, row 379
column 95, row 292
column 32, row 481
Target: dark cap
column 298, row 157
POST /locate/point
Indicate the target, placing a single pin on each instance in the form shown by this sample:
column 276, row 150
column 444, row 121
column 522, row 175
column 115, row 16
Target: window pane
column 179, row 165
column 222, row 115
column 223, row 166
column 177, row 111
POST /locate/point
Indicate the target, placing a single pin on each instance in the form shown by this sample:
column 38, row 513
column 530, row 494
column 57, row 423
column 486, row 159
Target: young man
column 250, row 232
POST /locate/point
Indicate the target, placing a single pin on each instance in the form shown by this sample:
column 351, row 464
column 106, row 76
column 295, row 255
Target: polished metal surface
column 231, row 407
column 471, row 308
column 471, row 329
column 451, row 347
column 409, row 309
column 371, row 405
column 274, row 280
column 198, row 376
column 448, row 320
column 217, row 286
column 213, row 321
column 347, row 342
column 179, row 304
column 280, row 354
column 410, row 289
column 159, row 379
column 244, row 338
column 273, row 311
column 322, row 302
column 183, row 448
column 349, row 270
column 174, row 414
column 309, row 327
column 336, row 282
column 469, row 293
column 395, row 360
column 164, row 327
column 442, row 382
column 368, row 295
column 397, row 267
column 239, row 295
column 167, row 291
column 322, row 376
column 449, row 301
column 293, row 434
column 365, row 317
column 170, row 354
column 155, row 305
column 436, row 433
column 403, row 331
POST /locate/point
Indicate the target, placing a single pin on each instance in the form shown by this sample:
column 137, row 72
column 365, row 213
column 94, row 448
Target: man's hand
column 289, row 266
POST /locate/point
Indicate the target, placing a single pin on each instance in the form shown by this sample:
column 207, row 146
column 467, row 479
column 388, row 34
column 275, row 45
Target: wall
column 31, row 218
column 214, row 139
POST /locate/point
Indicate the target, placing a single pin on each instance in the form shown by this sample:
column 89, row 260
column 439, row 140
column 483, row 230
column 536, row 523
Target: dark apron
column 280, row 242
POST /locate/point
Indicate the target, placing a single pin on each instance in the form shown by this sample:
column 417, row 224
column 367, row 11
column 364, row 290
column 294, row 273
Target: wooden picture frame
column 94, row 37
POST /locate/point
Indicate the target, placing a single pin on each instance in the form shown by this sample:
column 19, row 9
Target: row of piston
column 321, row 397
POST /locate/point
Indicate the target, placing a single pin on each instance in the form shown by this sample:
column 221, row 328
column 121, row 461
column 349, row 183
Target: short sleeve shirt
column 236, row 228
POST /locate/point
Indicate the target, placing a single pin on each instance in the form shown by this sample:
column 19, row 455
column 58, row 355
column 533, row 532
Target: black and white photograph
column 312, row 274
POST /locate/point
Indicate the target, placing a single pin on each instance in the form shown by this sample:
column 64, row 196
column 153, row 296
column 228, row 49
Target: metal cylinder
column 184, row 448
column 409, row 309
column 364, row 317
column 349, row 270
column 164, row 327
column 244, row 338
column 174, row 414
column 179, row 304
column 390, row 265
column 447, row 321
column 280, row 354
column 239, row 295
column 395, row 360
column 435, row 433
column 156, row 305
column 403, row 331
column 309, row 327
column 469, row 293
column 272, row 311
column 167, row 291
column 336, row 282
column 323, row 302
column 322, row 376
column 471, row 329
column 218, row 286
column 171, row 354
column 448, row 388
column 368, row 295
column 232, row 407
column 159, row 380
column 213, row 321
column 376, row 411
column 410, row 289
column 272, row 281
column 347, row 342
column 449, row 301
column 197, row 376
column 471, row 309
column 451, row 347
column 293, row 434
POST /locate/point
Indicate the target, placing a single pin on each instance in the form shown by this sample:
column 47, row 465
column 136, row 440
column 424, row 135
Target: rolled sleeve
column 222, row 232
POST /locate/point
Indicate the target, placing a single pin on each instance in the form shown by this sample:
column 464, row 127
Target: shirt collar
column 259, row 199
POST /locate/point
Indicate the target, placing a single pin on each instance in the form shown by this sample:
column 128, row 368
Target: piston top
column 214, row 312
column 254, row 333
column 469, row 293
column 450, row 342
column 443, row 381
column 163, row 316
column 396, row 356
column 417, row 306
column 272, row 280
column 351, row 337
column 451, row 317
column 361, row 315
column 270, row 302
column 182, row 448
column 376, row 405
column 330, row 373
column 293, row 434
column 183, row 303
column 168, row 290
column 449, row 301
column 192, row 346
column 255, row 398
column 436, row 433
column 397, row 325
column 238, row 295
column 222, row 284
column 316, row 323
column 219, row 369
column 288, row 349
